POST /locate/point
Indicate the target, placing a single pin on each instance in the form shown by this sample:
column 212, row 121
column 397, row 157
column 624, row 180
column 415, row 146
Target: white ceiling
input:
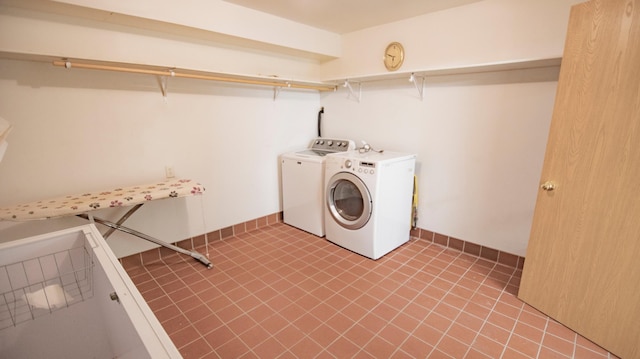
column 342, row 16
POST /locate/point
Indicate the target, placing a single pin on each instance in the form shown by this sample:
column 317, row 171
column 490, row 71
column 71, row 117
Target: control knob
column 347, row 163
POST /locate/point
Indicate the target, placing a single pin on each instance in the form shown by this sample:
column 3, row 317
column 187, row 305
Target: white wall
column 480, row 141
column 29, row 32
column 80, row 130
column 484, row 32
column 227, row 19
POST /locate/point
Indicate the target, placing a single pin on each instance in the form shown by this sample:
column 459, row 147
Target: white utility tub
column 65, row 295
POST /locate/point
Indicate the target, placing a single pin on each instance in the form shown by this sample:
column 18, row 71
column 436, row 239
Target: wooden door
column 582, row 266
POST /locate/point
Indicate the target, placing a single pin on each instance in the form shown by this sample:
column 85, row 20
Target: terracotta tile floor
column 278, row 292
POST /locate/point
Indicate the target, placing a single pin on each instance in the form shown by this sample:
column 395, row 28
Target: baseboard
column 195, row 243
column 474, row 249
column 200, row 241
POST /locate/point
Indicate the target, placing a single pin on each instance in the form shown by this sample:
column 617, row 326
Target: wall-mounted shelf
column 420, row 77
column 355, row 83
column 165, row 73
column 452, row 70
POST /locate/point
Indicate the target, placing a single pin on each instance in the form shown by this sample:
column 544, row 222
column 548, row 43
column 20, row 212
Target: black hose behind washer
column 320, row 121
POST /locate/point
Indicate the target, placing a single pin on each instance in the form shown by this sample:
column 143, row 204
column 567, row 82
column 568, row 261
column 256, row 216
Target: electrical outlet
column 168, row 172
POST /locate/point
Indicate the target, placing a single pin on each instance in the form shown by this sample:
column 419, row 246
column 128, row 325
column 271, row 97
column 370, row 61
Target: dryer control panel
column 360, row 166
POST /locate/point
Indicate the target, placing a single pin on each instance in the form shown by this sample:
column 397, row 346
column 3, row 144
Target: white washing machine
column 368, row 200
column 303, row 183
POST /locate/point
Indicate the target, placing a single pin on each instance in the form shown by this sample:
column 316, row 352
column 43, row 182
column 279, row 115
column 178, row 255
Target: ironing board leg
column 201, row 258
column 122, row 219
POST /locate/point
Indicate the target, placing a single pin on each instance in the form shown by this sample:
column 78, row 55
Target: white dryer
column 368, row 200
column 303, row 183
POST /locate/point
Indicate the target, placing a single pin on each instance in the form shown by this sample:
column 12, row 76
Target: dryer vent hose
column 414, row 204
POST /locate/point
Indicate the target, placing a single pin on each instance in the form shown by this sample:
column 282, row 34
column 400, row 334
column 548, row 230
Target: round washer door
column 348, row 200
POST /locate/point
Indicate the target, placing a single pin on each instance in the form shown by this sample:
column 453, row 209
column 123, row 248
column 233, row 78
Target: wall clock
column 393, row 56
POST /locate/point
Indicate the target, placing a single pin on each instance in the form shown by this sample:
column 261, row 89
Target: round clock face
column 393, row 56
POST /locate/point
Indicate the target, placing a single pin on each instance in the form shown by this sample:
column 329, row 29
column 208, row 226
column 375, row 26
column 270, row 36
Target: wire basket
column 41, row 285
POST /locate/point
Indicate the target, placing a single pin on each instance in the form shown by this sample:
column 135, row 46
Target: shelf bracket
column 276, row 90
column 352, row 93
column 420, row 87
column 163, row 81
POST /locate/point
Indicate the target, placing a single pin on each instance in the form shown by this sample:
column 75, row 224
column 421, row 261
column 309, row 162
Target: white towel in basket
column 52, row 296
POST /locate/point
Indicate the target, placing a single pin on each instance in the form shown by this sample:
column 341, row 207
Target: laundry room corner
column 479, row 141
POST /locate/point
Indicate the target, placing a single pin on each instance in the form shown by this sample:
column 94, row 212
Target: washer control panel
column 332, row 145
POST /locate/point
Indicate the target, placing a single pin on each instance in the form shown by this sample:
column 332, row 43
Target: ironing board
column 82, row 205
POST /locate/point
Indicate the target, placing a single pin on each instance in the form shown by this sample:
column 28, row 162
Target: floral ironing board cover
column 90, row 201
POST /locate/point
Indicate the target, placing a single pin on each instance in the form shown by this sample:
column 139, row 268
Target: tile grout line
column 422, row 321
column 307, row 335
column 458, row 315
column 276, row 312
column 182, row 312
column 476, row 291
column 515, row 324
column 370, row 311
column 225, row 323
column 443, row 270
column 486, row 320
column 544, row 332
column 173, row 302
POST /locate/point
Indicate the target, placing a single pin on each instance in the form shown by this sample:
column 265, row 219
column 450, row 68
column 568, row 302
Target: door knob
column 548, row 186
